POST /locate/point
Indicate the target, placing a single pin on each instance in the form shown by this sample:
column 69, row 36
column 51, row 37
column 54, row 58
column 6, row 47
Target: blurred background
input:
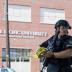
column 24, row 25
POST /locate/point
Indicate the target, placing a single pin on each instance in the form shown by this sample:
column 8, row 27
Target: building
column 30, row 23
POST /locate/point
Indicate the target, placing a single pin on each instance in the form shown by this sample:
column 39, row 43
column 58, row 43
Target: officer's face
column 63, row 30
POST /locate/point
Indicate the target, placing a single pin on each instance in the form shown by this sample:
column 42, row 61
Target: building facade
column 30, row 23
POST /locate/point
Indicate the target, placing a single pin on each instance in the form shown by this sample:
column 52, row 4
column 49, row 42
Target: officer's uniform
column 62, row 43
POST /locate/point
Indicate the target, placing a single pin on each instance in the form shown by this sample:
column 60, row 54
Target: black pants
column 65, row 69
column 58, row 68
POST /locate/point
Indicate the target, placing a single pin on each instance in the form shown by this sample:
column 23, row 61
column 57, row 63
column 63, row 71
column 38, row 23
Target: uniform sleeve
column 69, row 43
column 44, row 44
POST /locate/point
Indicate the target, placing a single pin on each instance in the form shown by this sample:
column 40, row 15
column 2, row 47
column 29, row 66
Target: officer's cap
column 62, row 23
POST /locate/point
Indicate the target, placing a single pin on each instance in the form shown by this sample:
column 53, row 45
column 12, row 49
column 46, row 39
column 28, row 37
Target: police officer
column 59, row 58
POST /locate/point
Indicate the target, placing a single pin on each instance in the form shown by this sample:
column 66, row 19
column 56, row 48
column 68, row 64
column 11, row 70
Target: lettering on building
column 23, row 34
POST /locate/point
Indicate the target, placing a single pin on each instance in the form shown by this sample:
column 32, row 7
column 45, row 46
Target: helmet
column 62, row 23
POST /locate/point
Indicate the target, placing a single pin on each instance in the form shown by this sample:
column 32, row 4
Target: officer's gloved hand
column 42, row 54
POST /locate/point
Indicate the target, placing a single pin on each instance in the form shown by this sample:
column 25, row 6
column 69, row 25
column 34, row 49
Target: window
column 51, row 16
column 17, row 54
column 19, row 13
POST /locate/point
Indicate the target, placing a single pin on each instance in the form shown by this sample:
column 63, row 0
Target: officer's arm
column 44, row 44
column 63, row 54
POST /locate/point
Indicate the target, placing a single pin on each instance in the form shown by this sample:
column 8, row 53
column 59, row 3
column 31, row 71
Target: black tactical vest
column 60, row 44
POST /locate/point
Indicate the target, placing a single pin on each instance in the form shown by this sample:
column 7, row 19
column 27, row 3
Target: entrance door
column 21, row 66
column 19, row 59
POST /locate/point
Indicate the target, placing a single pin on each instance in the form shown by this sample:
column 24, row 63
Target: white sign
column 23, row 34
